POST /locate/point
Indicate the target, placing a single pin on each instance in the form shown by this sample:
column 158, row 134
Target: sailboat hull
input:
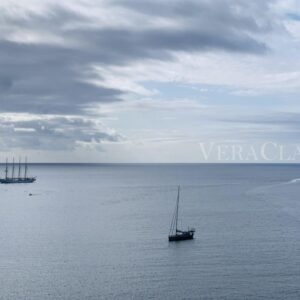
column 187, row 235
column 17, row 180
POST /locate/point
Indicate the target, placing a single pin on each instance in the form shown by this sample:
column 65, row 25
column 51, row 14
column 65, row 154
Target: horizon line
column 157, row 163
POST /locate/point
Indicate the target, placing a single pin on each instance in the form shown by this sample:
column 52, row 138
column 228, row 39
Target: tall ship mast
column 19, row 172
column 17, row 179
column 176, row 234
column 6, row 169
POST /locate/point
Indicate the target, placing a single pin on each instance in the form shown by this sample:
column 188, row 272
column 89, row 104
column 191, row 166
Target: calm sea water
column 100, row 232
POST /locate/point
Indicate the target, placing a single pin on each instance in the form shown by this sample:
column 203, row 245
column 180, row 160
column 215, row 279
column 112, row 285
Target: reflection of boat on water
column 17, row 179
column 175, row 234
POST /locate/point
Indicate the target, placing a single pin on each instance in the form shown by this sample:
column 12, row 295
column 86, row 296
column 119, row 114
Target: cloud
column 53, row 133
column 274, row 126
column 232, row 13
column 282, row 118
column 46, row 57
column 46, row 79
column 56, row 57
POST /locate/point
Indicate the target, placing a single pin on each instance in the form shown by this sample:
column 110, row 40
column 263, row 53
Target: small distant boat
column 19, row 179
column 175, row 234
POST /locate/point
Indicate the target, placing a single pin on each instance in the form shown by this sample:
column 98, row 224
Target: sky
column 149, row 81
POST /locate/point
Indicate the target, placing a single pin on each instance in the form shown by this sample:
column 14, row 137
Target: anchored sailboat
column 175, row 234
column 20, row 178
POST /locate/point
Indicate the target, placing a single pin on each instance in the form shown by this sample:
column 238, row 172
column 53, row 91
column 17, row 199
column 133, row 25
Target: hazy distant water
column 100, row 232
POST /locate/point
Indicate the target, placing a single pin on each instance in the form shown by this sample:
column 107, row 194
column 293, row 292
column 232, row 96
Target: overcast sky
column 146, row 81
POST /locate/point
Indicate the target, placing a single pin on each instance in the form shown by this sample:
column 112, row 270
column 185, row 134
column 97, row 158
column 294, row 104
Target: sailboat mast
column 177, row 206
column 19, row 172
column 13, row 169
column 6, row 169
column 25, row 174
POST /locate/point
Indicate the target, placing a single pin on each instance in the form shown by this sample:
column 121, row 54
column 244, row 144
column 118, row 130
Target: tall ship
column 176, row 234
column 16, row 176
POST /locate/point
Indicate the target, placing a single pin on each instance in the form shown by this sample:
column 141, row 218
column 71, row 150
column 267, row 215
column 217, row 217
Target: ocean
column 100, row 231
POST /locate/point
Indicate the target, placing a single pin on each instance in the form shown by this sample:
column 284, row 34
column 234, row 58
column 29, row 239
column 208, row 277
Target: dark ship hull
column 17, row 180
column 186, row 235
